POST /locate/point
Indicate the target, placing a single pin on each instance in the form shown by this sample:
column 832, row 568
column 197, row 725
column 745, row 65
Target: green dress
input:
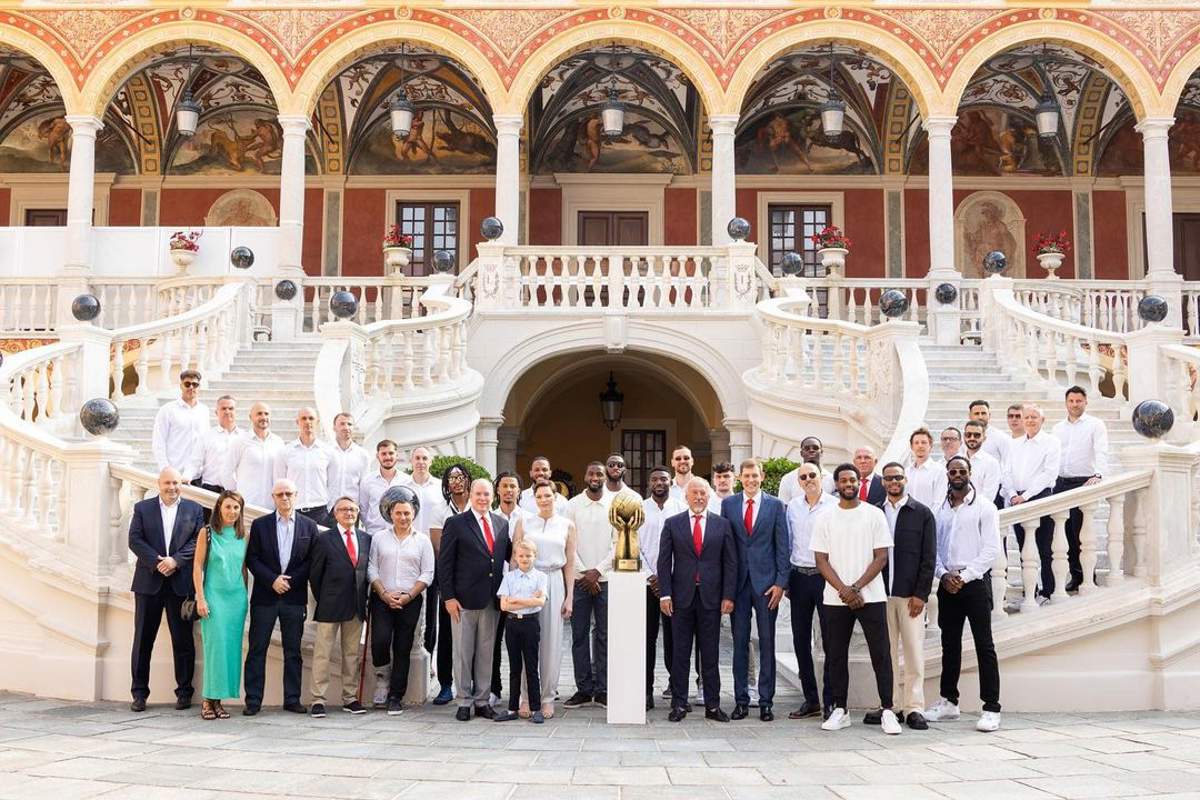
column 222, row 630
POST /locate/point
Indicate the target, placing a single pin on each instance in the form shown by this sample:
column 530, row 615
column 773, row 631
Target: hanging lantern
column 833, row 117
column 402, row 115
column 187, row 115
column 1046, row 114
column 611, row 401
column 612, row 114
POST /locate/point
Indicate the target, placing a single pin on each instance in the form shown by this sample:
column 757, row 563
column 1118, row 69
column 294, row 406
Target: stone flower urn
column 1050, row 262
column 833, row 259
column 397, row 258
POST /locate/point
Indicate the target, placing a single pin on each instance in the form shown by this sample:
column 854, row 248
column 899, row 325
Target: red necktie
column 749, row 520
column 863, row 489
column 697, row 537
column 350, row 548
column 487, row 534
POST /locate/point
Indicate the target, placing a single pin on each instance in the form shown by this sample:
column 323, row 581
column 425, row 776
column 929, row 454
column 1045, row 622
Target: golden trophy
column 626, row 516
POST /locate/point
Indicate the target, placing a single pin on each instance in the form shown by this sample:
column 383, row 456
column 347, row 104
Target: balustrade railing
column 41, row 385
column 27, row 305
column 1182, row 385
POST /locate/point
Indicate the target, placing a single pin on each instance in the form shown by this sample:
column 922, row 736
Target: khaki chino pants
column 347, row 636
column 904, row 631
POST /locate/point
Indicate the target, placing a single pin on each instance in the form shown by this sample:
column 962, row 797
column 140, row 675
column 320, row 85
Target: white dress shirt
column 310, row 467
column 1084, row 447
column 251, row 470
column 1032, row 466
column 400, row 564
column 285, row 537
column 212, row 454
column 800, row 519
column 432, row 502
column 714, row 502
column 985, row 474
column 593, row 533
column 926, row 483
column 756, row 505
column 665, row 589
column 997, row 443
column 348, row 467
column 968, row 539
column 529, row 505
column 168, row 514
column 679, row 492
column 790, row 489
column 178, row 429
column 650, row 534
column 370, row 491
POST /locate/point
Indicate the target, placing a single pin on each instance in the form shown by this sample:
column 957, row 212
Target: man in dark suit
column 470, row 565
column 697, row 574
column 759, row 524
column 908, row 578
column 162, row 534
column 279, row 557
column 339, row 584
column 870, row 485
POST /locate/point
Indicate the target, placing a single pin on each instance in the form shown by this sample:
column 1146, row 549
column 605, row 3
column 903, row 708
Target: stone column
column 941, row 200
column 1160, row 232
column 291, row 193
column 81, row 190
column 508, row 439
column 508, row 175
column 719, row 443
column 741, row 440
column 487, row 441
column 724, row 196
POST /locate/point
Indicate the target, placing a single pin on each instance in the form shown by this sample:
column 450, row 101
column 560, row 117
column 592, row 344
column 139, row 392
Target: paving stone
column 1086, row 786
column 992, row 790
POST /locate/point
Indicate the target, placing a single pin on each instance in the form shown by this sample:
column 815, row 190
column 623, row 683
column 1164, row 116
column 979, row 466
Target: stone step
column 266, row 384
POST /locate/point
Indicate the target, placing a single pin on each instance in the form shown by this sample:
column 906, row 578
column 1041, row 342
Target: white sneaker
column 942, row 711
column 840, row 719
column 889, row 723
column 988, row 721
column 380, row 697
column 753, row 698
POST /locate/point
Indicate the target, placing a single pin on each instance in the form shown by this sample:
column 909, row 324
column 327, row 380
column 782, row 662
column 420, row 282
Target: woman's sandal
column 548, row 710
column 220, row 709
column 524, row 713
column 207, row 710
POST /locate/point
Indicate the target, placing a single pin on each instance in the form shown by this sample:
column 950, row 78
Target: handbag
column 187, row 609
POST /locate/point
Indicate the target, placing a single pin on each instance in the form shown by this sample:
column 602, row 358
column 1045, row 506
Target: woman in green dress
column 219, row 575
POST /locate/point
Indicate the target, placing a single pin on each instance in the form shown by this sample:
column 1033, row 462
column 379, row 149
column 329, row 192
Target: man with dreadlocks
column 968, row 544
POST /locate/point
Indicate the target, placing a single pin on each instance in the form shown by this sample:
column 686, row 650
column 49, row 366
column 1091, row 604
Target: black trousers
column 392, row 634
column 147, row 617
column 705, row 625
column 1074, row 526
column 1044, row 538
column 972, row 604
column 437, row 619
column 497, row 687
column 839, row 624
column 523, row 639
column 291, row 630
column 654, row 620
column 804, row 593
column 318, row 514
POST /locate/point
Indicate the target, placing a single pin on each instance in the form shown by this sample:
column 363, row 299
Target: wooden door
column 45, row 217
column 614, row 228
column 1187, row 246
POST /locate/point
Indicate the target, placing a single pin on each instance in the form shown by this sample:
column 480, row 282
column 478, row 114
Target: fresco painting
column 441, row 142
column 791, row 141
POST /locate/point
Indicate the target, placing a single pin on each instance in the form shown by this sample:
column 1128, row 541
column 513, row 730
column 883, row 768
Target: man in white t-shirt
column 852, row 539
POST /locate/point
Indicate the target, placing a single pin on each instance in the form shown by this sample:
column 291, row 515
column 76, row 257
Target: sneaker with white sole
column 942, row 711
column 380, row 696
column 889, row 723
column 837, row 720
column 988, row 721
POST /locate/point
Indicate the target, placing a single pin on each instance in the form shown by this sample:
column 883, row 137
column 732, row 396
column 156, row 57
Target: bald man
column 252, row 458
column 162, row 535
column 278, row 556
column 311, row 465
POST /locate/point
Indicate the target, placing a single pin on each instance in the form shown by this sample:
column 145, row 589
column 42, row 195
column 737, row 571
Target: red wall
column 5, row 205
column 681, row 226
column 864, row 226
column 545, row 216
column 187, row 207
column 1109, row 240
column 1045, row 212
column 314, row 231
column 362, row 214
column 483, row 204
column 916, row 233
column 125, row 207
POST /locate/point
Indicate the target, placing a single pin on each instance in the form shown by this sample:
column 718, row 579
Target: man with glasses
column 179, row 428
column 278, row 555
column 985, row 469
column 805, row 587
column 1016, row 426
column 952, row 442
column 811, row 450
column 681, row 462
column 1030, row 475
column 995, row 442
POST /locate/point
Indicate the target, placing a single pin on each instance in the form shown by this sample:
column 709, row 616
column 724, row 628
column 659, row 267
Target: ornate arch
column 131, row 54
column 622, row 31
column 888, row 49
column 1172, row 90
column 326, row 65
column 48, row 57
column 1128, row 73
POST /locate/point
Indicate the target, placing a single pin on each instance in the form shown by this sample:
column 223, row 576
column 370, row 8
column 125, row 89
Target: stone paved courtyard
column 60, row 750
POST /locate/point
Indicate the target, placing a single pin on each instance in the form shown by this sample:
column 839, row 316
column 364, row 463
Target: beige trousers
column 908, row 687
column 348, row 636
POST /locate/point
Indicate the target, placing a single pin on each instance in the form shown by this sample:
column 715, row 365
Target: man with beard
column 682, row 461
column 657, row 507
column 985, row 469
column 540, row 470
column 811, row 451
column 968, row 544
column 614, row 475
column 593, row 558
column 456, row 487
column 805, row 588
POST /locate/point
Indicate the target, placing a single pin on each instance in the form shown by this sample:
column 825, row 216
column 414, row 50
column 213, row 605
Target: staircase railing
column 28, row 305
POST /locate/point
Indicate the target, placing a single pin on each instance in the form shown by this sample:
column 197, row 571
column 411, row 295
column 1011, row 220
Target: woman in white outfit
column 555, row 538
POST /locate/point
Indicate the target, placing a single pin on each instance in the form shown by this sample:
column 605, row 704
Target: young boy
column 522, row 594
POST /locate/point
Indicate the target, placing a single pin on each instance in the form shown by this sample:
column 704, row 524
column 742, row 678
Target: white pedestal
column 627, row 647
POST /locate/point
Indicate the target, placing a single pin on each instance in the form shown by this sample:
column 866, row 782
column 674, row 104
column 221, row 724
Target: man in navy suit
column 697, row 570
column 279, row 557
column 162, row 534
column 870, row 485
column 759, row 524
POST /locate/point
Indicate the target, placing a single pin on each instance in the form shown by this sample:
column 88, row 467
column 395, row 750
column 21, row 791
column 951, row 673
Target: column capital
column 723, row 124
column 84, row 124
column 1154, row 127
column 508, row 123
column 939, row 125
column 294, row 124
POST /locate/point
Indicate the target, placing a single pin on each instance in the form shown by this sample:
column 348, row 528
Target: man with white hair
column 250, row 469
column 1030, row 475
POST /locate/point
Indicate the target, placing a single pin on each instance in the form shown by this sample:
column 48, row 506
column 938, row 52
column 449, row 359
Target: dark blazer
column 909, row 573
column 465, row 570
column 678, row 565
column 340, row 588
column 876, row 495
column 262, row 559
column 147, row 542
column 764, row 557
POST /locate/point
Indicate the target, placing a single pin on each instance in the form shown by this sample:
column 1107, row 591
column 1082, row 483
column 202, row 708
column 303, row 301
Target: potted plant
column 184, row 247
column 832, row 246
column 1050, row 251
column 397, row 248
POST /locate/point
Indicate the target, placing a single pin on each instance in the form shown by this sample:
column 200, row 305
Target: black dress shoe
column 295, row 708
column 485, row 711
column 676, row 715
column 740, row 711
column 916, row 721
column 249, row 710
column 1073, row 586
column 138, row 704
column 183, row 703
column 463, row 714
column 688, row 707
column 806, row 709
column 873, row 717
column 716, row 714
column 765, row 714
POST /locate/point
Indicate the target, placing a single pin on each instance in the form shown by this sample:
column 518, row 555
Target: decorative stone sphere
column 491, row 228
column 792, row 263
column 286, row 289
column 443, row 261
column 99, row 416
column 1, row 358
column 242, row 257
column 85, row 307
column 1153, row 418
column 893, row 303
column 343, row 304
column 397, row 494
column 995, row 262
column 946, row 293
column 1152, row 308
column 738, row 229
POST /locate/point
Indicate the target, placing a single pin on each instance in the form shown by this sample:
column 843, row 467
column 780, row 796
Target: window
column 433, row 226
column 643, row 450
column 792, row 229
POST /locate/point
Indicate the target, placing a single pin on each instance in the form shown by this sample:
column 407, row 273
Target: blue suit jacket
column 763, row 558
column 264, row 563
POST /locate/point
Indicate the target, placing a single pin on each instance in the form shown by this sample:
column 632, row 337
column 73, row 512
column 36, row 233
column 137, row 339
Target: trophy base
column 626, row 564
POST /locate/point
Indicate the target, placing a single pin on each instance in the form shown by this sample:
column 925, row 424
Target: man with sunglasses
column 995, row 443
column 1016, row 424
column 985, row 470
column 179, row 428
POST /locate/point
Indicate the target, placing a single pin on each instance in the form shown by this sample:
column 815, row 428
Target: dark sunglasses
column 892, row 478
column 973, row 435
column 192, row 384
column 958, row 471
column 808, row 476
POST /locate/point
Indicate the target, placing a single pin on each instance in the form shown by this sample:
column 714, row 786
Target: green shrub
column 440, row 464
column 773, row 470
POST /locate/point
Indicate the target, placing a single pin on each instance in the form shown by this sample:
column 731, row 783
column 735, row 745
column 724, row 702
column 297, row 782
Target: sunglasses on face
column 808, row 476
column 958, row 472
column 284, row 494
column 893, row 478
column 192, row 384
column 973, row 435
column 1014, row 416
